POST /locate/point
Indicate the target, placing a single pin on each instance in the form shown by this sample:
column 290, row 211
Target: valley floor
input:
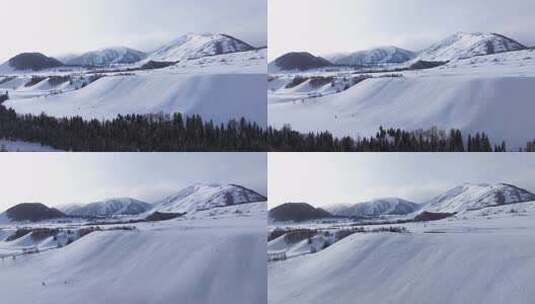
column 207, row 259
column 484, row 256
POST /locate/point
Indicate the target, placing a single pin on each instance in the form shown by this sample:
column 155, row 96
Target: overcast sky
column 61, row 178
column 322, row 179
column 72, row 26
column 323, row 27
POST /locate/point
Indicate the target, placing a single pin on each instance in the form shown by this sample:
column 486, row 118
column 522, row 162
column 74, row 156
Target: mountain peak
column 107, row 56
column 300, row 61
column 375, row 56
column 203, row 196
column 463, row 45
column 111, row 207
column 33, row 61
column 297, row 212
column 194, row 46
column 377, row 207
column 470, row 196
column 33, row 212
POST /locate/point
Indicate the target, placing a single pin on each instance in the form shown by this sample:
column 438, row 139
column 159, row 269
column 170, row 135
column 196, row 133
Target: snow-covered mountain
column 111, row 207
column 477, row 196
column 29, row 62
column 297, row 61
column 466, row 45
column 200, row 197
column 108, row 56
column 193, row 46
column 375, row 56
column 378, row 207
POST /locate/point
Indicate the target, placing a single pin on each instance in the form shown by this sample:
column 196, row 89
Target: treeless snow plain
column 212, row 257
column 480, row 256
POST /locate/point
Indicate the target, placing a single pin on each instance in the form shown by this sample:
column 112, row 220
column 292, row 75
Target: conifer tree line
column 163, row 132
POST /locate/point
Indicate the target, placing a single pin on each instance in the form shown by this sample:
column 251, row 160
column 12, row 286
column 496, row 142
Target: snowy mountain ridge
column 375, row 56
column 107, row 56
column 111, row 207
column 377, row 207
column 200, row 196
column 194, row 46
column 466, row 45
column 477, row 196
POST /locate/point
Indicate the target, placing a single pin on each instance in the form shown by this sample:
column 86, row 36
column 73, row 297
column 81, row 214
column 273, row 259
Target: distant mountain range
column 458, row 46
column 106, row 57
column 111, row 207
column 186, row 47
column 376, row 56
column 192, row 199
column 462, row 198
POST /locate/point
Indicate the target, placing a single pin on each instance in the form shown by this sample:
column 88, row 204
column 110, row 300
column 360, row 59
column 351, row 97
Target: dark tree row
column 386, row 140
column 178, row 133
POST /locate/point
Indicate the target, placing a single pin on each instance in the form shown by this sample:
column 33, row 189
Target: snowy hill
column 297, row 212
column 299, row 61
column 226, row 257
column 477, row 196
column 466, row 45
column 379, row 207
column 193, row 46
column 200, row 197
column 107, row 56
column 111, row 207
column 32, row 212
column 216, row 96
column 29, row 62
column 376, row 56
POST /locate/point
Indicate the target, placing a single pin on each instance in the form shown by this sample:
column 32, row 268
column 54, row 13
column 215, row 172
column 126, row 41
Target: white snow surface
column 481, row 256
column 199, row 197
column 195, row 261
column 466, row 45
column 477, row 196
column 219, row 97
column 193, row 46
column 23, row 146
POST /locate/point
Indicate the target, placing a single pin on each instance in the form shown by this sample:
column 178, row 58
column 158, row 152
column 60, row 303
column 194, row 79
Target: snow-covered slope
column 192, row 46
column 491, row 265
column 107, row 56
column 111, row 207
column 379, row 207
column 477, row 196
column 205, row 261
column 466, row 45
column 200, row 197
column 219, row 97
column 376, row 56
